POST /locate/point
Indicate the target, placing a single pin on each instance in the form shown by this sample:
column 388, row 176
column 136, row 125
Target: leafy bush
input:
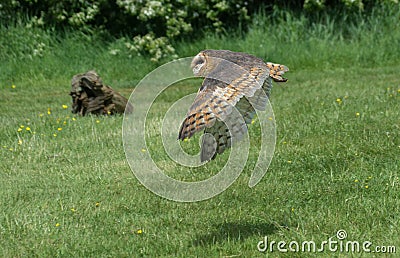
column 153, row 25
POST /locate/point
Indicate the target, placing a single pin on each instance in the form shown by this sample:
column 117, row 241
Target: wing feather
column 216, row 98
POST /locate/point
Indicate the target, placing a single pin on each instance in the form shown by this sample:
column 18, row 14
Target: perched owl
column 231, row 79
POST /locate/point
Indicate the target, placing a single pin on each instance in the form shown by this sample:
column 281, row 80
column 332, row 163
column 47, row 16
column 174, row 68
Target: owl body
column 234, row 85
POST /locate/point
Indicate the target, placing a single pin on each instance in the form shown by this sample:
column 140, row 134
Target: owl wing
column 212, row 107
column 217, row 138
column 216, row 98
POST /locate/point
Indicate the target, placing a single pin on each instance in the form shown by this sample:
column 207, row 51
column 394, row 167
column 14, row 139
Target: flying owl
column 231, row 79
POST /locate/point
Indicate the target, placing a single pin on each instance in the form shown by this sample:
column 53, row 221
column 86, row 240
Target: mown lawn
column 66, row 188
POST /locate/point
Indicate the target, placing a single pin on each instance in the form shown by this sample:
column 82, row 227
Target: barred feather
column 276, row 71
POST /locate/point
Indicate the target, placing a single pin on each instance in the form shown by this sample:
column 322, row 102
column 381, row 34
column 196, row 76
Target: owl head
column 208, row 60
column 198, row 64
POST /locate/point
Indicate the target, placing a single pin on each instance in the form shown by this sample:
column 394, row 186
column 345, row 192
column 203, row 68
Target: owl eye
column 199, row 61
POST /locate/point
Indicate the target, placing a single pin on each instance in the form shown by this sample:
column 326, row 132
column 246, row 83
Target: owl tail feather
column 276, row 71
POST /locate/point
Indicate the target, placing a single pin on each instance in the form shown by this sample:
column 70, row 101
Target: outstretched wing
column 216, row 98
column 217, row 138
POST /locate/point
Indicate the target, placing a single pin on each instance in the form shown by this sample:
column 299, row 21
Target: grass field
column 66, row 188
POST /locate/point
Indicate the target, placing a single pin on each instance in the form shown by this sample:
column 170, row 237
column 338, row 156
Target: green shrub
column 153, row 26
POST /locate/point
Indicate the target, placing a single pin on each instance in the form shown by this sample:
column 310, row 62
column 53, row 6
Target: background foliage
column 152, row 27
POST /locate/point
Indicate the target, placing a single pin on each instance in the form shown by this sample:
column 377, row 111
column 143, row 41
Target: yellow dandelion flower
column 292, row 209
column 366, row 187
column 10, row 149
column 186, row 139
column 19, row 129
column 22, row 126
column 13, row 86
column 65, row 122
column 139, row 231
column 48, row 111
column 97, row 204
column 270, row 118
column 28, row 128
column 73, row 210
column 108, row 112
column 289, row 161
column 59, row 129
column 41, row 114
column 57, row 224
column 64, row 106
column 19, row 142
column 338, row 100
column 253, row 121
column 73, row 119
column 369, row 177
column 357, row 114
column 398, row 90
column 356, row 181
column 143, row 150
column 54, row 134
column 97, row 121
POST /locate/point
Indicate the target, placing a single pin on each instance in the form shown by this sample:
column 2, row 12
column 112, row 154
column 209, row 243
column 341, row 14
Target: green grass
column 336, row 163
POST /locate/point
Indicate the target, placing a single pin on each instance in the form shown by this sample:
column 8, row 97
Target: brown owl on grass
column 231, row 80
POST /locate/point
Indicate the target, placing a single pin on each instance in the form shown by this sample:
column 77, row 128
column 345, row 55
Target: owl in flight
column 232, row 80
